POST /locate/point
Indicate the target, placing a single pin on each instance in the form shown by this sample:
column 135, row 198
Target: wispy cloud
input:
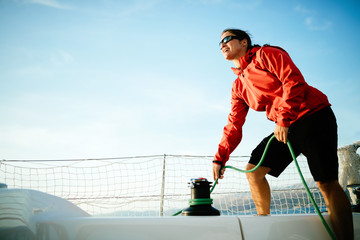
column 316, row 25
column 138, row 7
column 303, row 10
column 248, row 5
column 51, row 3
column 312, row 19
column 61, row 58
column 206, row 2
column 43, row 65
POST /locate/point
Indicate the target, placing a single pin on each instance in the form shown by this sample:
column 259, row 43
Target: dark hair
column 241, row 34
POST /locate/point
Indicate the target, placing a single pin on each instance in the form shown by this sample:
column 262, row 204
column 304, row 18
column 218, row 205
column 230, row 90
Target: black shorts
column 315, row 136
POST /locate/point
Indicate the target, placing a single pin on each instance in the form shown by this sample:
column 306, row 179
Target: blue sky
column 88, row 79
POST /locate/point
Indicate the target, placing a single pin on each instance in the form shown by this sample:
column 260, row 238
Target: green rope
column 177, row 213
column 207, row 200
column 193, row 203
column 247, row 171
column 310, row 195
column 200, row 201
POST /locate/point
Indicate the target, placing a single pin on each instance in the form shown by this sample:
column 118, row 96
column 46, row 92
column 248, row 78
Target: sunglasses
column 228, row 39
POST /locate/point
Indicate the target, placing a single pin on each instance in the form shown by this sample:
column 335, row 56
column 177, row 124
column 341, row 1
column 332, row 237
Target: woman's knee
column 258, row 174
column 326, row 186
column 249, row 166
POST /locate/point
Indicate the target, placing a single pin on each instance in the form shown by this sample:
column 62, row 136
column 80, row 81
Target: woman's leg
column 260, row 189
column 339, row 209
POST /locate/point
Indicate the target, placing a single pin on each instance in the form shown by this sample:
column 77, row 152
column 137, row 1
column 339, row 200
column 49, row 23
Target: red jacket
column 268, row 80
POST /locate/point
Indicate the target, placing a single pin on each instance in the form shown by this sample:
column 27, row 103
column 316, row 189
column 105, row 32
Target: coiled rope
column 209, row 200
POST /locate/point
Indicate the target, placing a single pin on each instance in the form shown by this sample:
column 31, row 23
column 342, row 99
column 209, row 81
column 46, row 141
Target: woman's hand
column 281, row 133
column 216, row 171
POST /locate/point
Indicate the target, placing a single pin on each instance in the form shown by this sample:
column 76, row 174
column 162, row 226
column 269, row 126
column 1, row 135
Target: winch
column 200, row 202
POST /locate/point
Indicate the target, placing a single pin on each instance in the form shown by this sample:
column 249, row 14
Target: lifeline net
column 154, row 185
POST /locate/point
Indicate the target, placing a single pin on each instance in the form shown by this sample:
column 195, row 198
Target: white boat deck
column 29, row 214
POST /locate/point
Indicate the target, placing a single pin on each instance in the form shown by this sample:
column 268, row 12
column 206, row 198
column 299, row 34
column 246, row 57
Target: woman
column 268, row 80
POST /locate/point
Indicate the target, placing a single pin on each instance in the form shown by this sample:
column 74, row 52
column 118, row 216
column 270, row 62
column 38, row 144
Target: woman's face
column 233, row 49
